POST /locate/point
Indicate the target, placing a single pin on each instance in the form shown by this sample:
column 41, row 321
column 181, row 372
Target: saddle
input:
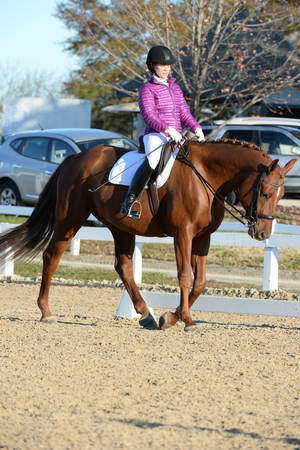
column 165, row 155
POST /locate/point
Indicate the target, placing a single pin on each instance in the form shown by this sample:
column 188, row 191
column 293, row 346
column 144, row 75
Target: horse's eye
column 265, row 195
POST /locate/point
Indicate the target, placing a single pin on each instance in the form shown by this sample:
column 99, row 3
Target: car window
column 241, row 135
column 17, row 144
column 207, row 129
column 295, row 133
column 36, row 148
column 116, row 142
column 276, row 143
column 59, row 151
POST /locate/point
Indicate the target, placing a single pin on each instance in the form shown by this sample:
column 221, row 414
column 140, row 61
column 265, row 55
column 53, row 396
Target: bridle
column 252, row 215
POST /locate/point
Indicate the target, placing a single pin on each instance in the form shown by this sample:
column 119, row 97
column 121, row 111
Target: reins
column 183, row 156
column 253, row 215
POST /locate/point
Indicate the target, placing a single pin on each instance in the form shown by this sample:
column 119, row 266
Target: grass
column 89, row 273
column 32, row 270
column 222, row 256
column 11, row 219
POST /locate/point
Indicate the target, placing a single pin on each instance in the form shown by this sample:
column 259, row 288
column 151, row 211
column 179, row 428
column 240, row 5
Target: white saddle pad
column 124, row 169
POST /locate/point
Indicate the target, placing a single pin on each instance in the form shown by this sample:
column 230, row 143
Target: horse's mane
column 242, row 144
column 237, row 142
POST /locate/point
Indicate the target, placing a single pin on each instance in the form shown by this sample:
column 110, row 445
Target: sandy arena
column 94, row 382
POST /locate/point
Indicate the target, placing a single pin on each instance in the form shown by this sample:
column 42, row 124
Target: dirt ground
column 93, row 381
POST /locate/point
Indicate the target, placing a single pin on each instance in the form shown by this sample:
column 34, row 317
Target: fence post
column 7, row 266
column 271, row 259
column 7, row 269
column 138, row 262
column 125, row 308
column 75, row 247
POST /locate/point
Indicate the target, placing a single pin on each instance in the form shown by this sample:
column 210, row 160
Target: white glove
column 175, row 135
column 199, row 134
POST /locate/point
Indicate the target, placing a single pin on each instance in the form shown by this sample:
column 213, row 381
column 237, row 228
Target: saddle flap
column 166, row 153
column 153, row 198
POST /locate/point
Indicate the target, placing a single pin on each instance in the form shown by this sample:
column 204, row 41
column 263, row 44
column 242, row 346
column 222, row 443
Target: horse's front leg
column 199, row 256
column 183, row 248
column 124, row 248
column 199, row 265
column 200, row 247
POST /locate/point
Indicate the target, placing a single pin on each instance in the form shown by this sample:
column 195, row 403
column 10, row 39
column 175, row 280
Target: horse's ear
column 288, row 166
column 273, row 165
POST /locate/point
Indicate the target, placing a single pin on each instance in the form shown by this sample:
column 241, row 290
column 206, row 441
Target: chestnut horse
column 191, row 207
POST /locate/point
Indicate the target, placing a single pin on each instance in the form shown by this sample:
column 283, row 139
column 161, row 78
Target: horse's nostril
column 262, row 235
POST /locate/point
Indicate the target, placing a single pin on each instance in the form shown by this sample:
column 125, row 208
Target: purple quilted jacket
column 164, row 106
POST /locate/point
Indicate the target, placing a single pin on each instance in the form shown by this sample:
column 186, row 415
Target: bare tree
column 229, row 55
column 17, row 82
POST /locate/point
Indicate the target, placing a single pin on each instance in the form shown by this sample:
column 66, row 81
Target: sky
column 31, row 37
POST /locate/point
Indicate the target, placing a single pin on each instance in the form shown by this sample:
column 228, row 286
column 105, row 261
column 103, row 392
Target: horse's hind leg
column 124, row 248
column 51, row 257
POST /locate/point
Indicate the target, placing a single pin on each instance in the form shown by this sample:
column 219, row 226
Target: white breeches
column 153, row 145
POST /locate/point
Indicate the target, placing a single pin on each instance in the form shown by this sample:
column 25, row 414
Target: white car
column 272, row 121
column 278, row 137
column 28, row 159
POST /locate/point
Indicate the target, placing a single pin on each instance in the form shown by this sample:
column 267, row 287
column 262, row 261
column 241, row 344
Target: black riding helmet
column 159, row 55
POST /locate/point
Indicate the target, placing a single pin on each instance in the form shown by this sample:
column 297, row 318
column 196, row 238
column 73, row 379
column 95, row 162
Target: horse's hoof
column 49, row 319
column 192, row 328
column 166, row 321
column 149, row 322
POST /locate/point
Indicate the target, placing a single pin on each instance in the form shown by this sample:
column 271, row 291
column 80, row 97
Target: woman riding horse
column 164, row 111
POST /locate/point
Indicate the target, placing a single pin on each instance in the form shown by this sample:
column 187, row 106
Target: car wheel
column 9, row 194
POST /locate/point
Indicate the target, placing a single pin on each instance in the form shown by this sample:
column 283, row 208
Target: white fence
column 229, row 234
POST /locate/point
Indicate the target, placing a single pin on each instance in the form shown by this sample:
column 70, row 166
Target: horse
column 191, row 208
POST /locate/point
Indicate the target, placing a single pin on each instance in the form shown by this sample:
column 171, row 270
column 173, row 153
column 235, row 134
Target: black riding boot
column 138, row 183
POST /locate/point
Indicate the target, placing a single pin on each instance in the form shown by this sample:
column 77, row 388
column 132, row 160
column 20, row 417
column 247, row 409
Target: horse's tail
column 26, row 240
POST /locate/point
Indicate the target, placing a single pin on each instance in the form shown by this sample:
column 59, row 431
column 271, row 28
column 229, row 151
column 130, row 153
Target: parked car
column 279, row 141
column 208, row 129
column 28, row 159
column 271, row 121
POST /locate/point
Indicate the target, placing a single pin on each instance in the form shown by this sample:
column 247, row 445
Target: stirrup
column 136, row 214
column 127, row 210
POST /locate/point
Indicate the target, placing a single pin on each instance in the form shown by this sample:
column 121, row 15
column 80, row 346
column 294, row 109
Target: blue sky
column 31, row 37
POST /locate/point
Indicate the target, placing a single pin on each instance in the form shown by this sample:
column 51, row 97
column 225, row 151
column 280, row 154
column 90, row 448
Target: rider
column 164, row 111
